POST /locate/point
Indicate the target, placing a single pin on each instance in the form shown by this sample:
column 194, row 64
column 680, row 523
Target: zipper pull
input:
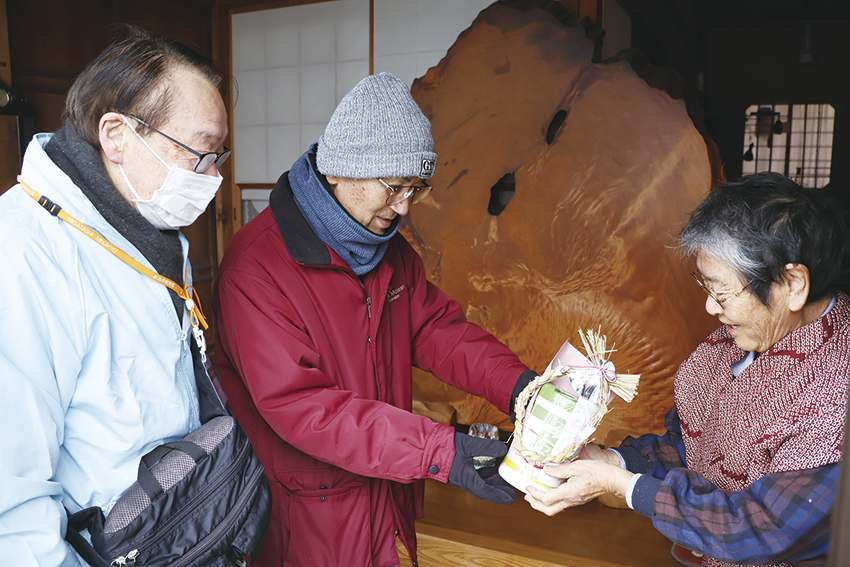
column 369, row 313
column 128, row 561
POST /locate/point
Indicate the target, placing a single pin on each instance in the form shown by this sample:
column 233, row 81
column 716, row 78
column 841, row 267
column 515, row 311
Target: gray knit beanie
column 377, row 130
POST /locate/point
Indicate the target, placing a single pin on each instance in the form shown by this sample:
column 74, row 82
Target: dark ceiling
column 722, row 12
column 676, row 32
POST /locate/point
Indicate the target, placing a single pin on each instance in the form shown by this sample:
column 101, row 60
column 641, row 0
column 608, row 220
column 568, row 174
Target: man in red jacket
column 322, row 309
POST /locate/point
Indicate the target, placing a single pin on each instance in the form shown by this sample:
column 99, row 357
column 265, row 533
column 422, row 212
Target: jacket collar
column 301, row 241
column 43, row 175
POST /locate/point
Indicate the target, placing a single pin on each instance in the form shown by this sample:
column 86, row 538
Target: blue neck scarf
column 361, row 249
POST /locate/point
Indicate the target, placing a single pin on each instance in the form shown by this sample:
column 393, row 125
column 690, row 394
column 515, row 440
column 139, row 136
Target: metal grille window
column 795, row 140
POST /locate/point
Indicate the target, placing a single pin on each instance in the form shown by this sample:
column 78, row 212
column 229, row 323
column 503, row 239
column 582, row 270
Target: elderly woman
column 748, row 469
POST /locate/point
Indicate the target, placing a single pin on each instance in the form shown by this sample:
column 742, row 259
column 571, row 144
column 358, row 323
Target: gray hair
column 131, row 77
column 762, row 222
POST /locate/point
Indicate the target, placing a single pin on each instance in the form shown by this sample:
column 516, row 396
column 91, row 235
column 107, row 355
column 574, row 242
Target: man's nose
column 401, row 207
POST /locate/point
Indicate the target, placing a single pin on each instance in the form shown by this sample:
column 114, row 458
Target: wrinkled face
column 753, row 325
column 197, row 119
column 366, row 200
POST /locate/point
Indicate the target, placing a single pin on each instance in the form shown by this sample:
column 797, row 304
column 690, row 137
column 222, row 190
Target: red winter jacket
column 317, row 367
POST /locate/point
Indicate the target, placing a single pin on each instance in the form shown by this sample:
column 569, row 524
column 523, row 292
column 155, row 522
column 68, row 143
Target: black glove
column 484, row 483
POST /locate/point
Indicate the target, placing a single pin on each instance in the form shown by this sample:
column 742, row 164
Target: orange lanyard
column 193, row 304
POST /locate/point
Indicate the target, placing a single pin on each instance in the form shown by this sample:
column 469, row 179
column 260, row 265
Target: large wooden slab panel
column 585, row 242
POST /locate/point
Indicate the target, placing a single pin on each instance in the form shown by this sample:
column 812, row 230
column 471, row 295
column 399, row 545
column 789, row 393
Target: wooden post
column 5, row 64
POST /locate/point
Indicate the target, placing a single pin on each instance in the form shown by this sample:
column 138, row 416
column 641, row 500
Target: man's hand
column 593, row 474
column 484, row 483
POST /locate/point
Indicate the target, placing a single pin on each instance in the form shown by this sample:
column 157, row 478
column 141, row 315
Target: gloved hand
column 484, row 483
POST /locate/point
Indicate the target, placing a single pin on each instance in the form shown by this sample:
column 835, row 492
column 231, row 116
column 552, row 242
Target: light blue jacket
column 95, row 368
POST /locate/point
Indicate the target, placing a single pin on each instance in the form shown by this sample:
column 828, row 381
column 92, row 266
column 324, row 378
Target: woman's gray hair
column 717, row 241
column 762, row 222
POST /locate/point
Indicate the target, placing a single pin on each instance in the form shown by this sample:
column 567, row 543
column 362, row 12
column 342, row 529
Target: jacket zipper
column 381, row 393
column 213, row 538
column 189, row 507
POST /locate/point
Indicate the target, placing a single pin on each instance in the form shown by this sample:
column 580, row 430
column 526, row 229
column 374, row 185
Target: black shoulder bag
column 202, row 501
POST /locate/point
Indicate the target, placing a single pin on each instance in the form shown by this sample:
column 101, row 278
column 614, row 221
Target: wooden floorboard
column 445, row 552
column 461, row 530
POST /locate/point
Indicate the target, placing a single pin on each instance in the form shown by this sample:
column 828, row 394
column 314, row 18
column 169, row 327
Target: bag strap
column 211, row 403
column 147, row 480
column 77, row 522
column 209, row 397
column 187, row 294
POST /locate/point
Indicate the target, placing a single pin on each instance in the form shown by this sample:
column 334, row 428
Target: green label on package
column 556, row 420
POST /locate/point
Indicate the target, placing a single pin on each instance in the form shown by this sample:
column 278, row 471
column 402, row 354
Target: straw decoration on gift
column 623, row 385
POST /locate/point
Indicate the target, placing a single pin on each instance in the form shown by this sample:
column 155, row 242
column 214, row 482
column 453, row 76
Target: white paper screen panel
column 293, row 65
column 290, row 67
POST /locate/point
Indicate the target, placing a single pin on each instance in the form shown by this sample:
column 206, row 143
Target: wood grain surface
column 586, row 240
column 459, row 529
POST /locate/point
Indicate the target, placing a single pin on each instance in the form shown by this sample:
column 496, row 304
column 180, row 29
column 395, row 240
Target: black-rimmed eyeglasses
column 718, row 299
column 399, row 193
column 205, row 159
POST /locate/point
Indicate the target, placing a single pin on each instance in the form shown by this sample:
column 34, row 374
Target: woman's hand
column 593, row 474
column 594, row 452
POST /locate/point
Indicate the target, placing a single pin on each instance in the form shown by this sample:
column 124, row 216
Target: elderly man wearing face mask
column 96, row 363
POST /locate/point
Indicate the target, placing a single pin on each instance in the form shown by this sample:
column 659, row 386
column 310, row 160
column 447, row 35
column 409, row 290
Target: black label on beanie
column 427, row 168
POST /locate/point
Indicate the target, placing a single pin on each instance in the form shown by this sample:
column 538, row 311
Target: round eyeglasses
column 718, row 299
column 205, row 159
column 399, row 193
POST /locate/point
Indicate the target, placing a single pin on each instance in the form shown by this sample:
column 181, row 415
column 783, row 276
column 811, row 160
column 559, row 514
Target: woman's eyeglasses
column 718, row 299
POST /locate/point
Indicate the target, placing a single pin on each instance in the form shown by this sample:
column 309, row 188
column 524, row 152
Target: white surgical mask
column 181, row 198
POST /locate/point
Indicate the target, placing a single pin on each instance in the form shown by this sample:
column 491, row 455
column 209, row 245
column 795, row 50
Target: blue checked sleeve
column 781, row 517
column 656, row 454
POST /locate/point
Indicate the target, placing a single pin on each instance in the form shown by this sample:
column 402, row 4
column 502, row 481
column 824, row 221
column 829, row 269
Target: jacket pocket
column 327, row 526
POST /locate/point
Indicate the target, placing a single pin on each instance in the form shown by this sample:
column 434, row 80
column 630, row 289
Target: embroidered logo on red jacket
column 392, row 294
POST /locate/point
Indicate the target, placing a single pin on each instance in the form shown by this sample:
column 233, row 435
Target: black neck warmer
column 81, row 161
